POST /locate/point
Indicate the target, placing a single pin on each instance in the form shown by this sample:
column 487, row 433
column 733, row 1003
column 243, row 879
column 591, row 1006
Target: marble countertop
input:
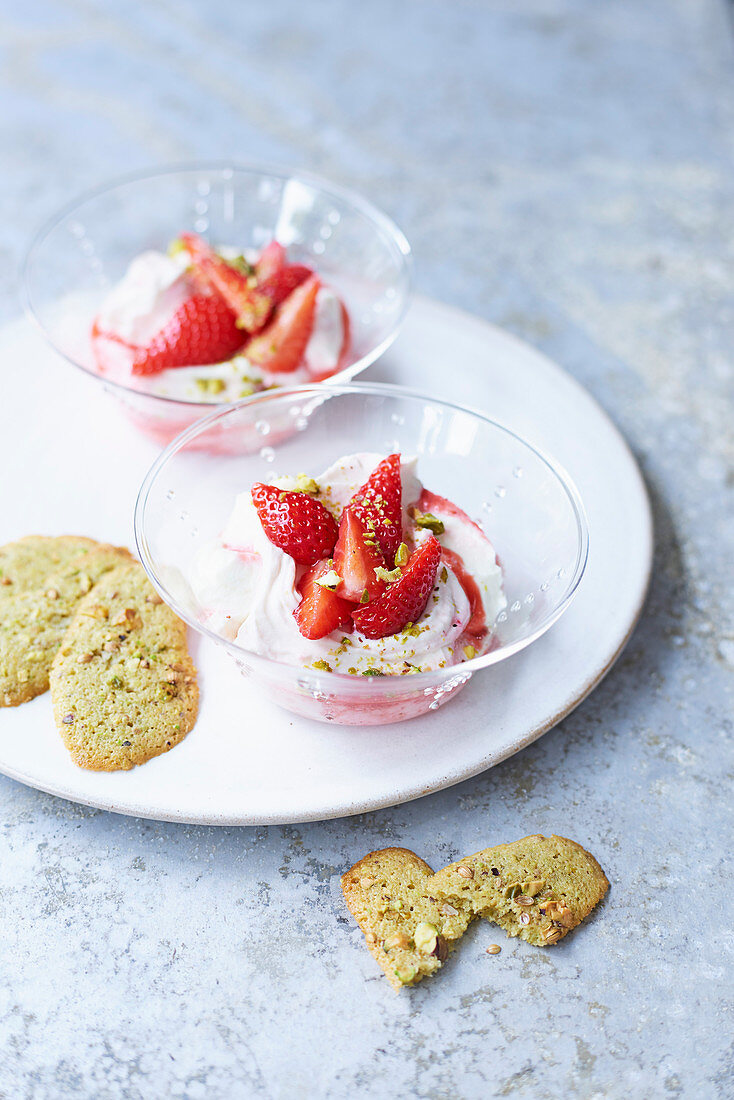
column 565, row 170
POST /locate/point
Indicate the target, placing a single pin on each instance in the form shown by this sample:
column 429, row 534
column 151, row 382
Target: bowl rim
column 383, row 221
column 377, row 683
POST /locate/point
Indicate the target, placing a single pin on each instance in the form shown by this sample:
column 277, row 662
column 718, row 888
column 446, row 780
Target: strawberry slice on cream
column 358, row 559
column 214, row 325
column 432, row 606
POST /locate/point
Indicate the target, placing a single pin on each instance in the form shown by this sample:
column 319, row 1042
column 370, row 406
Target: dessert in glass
column 266, row 278
column 362, row 567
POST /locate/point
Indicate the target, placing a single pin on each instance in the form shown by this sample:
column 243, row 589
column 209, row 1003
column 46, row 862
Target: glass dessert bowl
column 517, row 498
column 105, row 255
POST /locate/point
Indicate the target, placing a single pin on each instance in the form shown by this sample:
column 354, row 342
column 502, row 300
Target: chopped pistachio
column 306, row 484
column 428, row 521
column 425, row 937
column 513, row 890
column 241, row 264
column 322, row 665
column 397, row 939
column 365, row 597
column 402, row 554
column 533, row 887
column 373, row 672
column 406, row 974
column 388, row 575
column 211, row 386
column 444, row 574
column 176, row 247
column 329, row 580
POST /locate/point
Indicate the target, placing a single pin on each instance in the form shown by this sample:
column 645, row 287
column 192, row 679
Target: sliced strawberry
column 278, row 286
column 379, row 505
column 404, row 601
column 256, row 303
column 239, row 291
column 295, row 523
column 280, row 347
column 343, row 360
column 272, row 258
column 356, row 556
column 320, row 610
column 202, row 330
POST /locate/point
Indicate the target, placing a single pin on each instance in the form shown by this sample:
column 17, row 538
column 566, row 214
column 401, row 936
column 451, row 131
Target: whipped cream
column 247, row 588
column 152, row 289
column 155, row 286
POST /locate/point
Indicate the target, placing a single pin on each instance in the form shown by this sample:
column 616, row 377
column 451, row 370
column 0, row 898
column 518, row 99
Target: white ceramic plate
column 72, row 464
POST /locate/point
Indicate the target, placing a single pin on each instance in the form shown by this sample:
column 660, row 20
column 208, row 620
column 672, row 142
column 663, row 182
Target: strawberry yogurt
column 421, row 553
column 143, row 332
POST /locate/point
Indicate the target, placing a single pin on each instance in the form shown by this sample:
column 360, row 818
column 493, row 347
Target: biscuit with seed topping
column 25, row 563
column 388, row 894
column 34, row 614
column 123, row 685
column 538, row 888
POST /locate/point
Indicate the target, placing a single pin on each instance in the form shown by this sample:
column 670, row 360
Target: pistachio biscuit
column 388, row 893
column 538, row 888
column 25, row 564
column 123, row 685
column 48, row 578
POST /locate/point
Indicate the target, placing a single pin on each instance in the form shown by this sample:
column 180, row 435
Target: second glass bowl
column 525, row 503
column 77, row 258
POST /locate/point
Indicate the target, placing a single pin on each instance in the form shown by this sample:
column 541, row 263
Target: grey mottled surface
column 565, row 169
